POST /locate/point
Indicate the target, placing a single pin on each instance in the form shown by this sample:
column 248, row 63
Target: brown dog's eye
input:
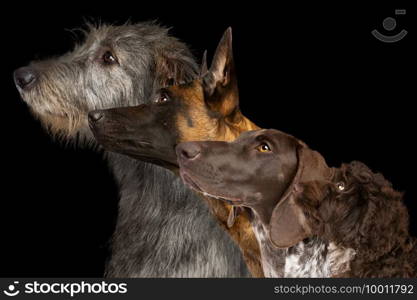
column 108, row 58
column 263, row 148
column 162, row 98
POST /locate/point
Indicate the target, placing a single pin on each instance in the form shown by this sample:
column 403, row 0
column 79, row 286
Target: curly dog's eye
column 340, row 186
column 263, row 148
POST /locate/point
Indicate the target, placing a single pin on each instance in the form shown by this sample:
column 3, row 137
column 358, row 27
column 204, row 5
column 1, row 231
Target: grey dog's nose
column 95, row 116
column 189, row 150
column 25, row 77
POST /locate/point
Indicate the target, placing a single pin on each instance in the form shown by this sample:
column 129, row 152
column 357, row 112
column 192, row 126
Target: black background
column 313, row 71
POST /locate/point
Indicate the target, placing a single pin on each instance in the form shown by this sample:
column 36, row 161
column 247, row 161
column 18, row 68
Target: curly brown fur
column 368, row 215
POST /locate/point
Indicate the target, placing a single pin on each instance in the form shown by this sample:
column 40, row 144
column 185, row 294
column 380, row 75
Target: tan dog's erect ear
column 203, row 68
column 220, row 82
column 288, row 223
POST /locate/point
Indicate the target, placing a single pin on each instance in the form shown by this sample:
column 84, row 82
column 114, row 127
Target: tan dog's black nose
column 188, row 151
column 95, row 116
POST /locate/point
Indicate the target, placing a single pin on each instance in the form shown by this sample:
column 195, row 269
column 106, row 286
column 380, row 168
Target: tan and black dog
column 204, row 109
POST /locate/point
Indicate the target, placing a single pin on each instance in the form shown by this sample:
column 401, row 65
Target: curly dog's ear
column 288, row 224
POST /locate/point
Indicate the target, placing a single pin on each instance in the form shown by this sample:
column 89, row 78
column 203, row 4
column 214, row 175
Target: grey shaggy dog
column 161, row 230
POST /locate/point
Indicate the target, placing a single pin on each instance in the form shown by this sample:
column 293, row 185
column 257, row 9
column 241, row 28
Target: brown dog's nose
column 95, row 116
column 188, row 150
column 25, row 77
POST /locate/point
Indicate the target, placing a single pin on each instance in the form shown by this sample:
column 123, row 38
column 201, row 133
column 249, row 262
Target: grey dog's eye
column 108, row 58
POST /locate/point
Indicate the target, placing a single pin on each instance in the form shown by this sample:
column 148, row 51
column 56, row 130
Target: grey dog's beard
column 57, row 116
column 69, row 125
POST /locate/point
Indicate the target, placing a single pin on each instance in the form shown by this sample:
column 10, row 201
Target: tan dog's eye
column 162, row 98
column 263, row 148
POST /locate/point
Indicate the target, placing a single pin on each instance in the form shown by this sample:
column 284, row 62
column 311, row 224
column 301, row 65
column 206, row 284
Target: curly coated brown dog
column 296, row 200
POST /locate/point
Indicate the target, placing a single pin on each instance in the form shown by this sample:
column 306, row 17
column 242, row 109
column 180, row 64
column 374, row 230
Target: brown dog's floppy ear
column 286, row 227
column 288, row 224
column 220, row 83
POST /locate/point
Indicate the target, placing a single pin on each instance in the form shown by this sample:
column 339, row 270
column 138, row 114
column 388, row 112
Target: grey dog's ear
column 288, row 224
column 220, row 82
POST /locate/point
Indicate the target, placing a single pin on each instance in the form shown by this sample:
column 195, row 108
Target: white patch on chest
column 306, row 260
column 270, row 262
column 339, row 259
column 314, row 258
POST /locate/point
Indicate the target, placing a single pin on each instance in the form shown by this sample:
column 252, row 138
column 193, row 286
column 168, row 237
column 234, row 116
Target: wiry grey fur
column 162, row 230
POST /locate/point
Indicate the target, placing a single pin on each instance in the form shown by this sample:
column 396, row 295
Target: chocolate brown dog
column 357, row 222
column 204, row 109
